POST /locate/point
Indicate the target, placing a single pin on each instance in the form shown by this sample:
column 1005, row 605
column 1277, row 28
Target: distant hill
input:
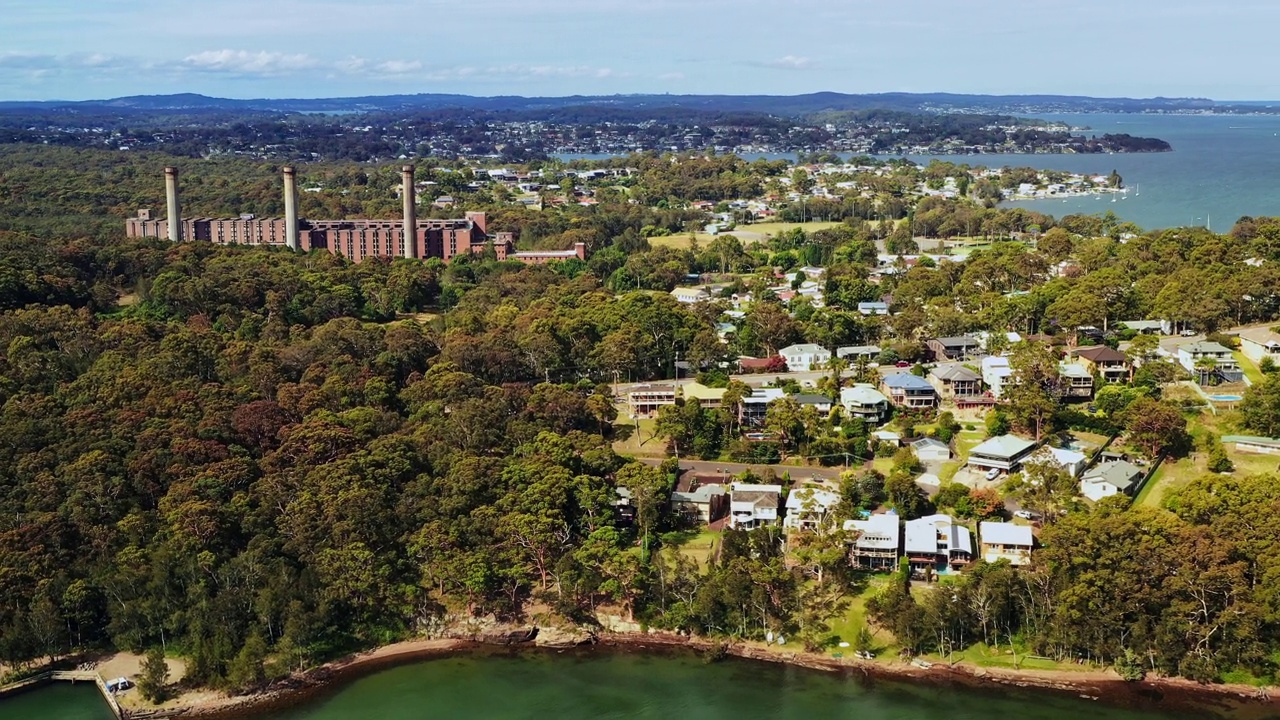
column 779, row 105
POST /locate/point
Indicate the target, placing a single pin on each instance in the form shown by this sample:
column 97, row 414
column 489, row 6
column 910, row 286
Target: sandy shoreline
column 1169, row 695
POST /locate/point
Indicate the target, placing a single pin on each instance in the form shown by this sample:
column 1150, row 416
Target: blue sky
column 80, row 49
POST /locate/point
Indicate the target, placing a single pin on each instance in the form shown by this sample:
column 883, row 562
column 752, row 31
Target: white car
column 992, row 474
column 1188, row 333
column 1025, row 514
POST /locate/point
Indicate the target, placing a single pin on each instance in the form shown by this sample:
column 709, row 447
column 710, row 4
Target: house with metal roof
column 931, row 450
column 805, row 357
column 1005, row 541
column 864, row 402
column 753, row 506
column 1261, row 342
column 948, row 349
column 1207, row 360
column 1253, row 444
column 1004, row 453
column 878, row 544
column 938, row 543
column 873, row 308
column 1077, row 381
column 910, row 391
column 954, row 381
column 705, row 503
column 1110, row 478
column 855, row 353
column 807, row 507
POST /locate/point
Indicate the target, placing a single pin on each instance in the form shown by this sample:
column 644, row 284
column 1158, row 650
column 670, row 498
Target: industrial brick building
column 355, row 240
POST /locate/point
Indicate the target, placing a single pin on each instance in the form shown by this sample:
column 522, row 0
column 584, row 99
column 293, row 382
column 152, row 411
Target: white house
column 1223, row 363
column 1258, row 343
column 865, row 402
column 805, row 357
column 753, row 506
column 854, row 353
column 996, row 373
column 807, row 507
column 938, row 542
column 878, row 544
column 931, row 450
column 1109, row 479
column 1070, row 460
column 691, row 295
column 1006, row 541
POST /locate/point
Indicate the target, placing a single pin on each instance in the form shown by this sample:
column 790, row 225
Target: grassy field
column 1173, row 475
column 847, row 626
column 700, row 547
column 773, row 228
column 1251, row 370
column 748, row 234
column 638, row 440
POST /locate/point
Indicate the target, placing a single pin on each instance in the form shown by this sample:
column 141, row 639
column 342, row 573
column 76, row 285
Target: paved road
column 798, row 472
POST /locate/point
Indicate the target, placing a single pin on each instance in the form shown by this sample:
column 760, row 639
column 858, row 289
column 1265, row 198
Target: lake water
column 1221, row 167
column 621, row 686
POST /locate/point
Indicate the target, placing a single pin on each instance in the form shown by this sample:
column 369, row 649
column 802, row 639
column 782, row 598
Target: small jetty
column 72, row 676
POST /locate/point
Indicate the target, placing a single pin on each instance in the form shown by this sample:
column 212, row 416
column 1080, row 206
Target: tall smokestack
column 175, row 212
column 290, row 208
column 410, row 212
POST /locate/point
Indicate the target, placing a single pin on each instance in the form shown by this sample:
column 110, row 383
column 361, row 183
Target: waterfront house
column 931, row 450
column 807, row 507
column 878, row 544
column 1005, row 541
column 955, row 381
column 1207, row 360
column 644, row 400
column 950, row 349
column 1259, row 343
column 1110, row 478
column 864, row 402
column 755, row 405
column 909, row 391
column 805, row 357
column 753, row 506
column 938, row 543
column 1077, row 382
column 703, row 503
column 1253, row 444
column 1004, row 453
column 996, row 373
column 1110, row 365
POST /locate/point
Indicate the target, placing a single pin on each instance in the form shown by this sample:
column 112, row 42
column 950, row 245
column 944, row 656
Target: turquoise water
column 620, row 686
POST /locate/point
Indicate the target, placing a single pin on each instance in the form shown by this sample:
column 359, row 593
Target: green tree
column 153, row 678
column 1260, row 408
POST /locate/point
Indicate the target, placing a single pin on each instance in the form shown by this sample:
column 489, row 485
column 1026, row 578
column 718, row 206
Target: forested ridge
column 257, row 459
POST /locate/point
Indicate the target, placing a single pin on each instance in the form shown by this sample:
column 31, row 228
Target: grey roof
column 878, row 532
column 1205, row 348
column 907, row 381
column 958, row 342
column 1121, row 473
column 862, row 394
column 700, row 496
column 953, row 373
column 923, row 535
column 1073, row 370
column 811, row 399
column 810, row 348
column 1252, row 440
column 1005, row 446
column 858, row 350
column 930, row 443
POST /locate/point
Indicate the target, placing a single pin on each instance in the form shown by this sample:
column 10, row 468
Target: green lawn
column 1251, row 370
column 681, row 241
column 773, row 228
column 639, row 441
column 700, row 547
column 1173, row 475
column 1003, row 657
column 855, row 618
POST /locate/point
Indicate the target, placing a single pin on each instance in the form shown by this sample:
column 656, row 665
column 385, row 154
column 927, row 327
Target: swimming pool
column 1226, row 398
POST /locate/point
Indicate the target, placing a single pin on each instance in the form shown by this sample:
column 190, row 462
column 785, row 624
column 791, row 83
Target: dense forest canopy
column 258, row 459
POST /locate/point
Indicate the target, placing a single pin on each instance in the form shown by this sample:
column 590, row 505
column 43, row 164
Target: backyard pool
column 1226, row 398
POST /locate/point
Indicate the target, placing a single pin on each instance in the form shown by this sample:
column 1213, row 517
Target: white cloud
column 790, row 62
column 251, row 63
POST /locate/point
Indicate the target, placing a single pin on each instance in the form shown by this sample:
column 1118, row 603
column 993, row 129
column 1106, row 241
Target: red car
column 903, row 364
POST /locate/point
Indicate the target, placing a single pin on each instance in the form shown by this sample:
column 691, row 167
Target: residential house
column 1070, row 460
column 873, row 308
column 1110, row 478
column 753, row 506
column 878, row 544
column 821, row 403
column 1253, row 444
column 888, row 436
column 755, row 405
column 623, row 506
column 707, row 397
column 1077, row 381
column 931, row 450
column 807, row 507
column 644, row 400
column 1004, row 453
column 937, row 543
column 996, row 373
column 703, row 503
column 909, row 391
column 953, row 348
column 805, row 357
column 865, row 402
column 1005, row 541
column 1149, row 327
column 856, row 353
column 691, row 295
column 955, row 381
column 1110, row 365
column 1206, row 360
column 1259, row 343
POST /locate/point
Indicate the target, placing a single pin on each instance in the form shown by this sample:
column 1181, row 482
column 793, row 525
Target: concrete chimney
column 175, row 212
column 410, row 212
column 290, row 208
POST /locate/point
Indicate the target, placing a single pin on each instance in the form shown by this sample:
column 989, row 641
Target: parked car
column 1188, row 333
column 903, row 364
column 1025, row 514
column 992, row 474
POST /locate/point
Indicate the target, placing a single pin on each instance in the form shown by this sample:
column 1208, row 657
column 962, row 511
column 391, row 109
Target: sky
column 88, row 49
